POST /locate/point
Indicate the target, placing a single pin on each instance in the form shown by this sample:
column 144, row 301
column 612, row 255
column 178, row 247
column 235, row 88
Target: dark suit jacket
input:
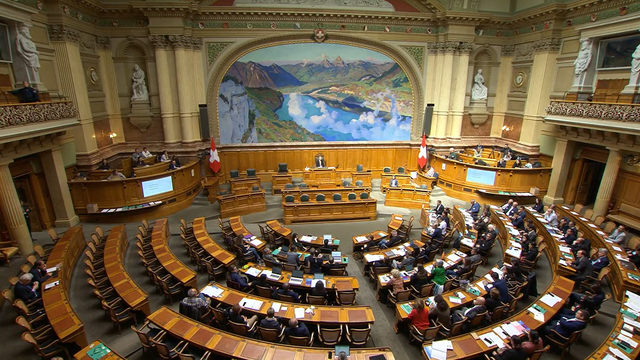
column 39, row 276
column 314, row 263
column 301, row 330
column 24, row 292
column 293, row 258
column 583, row 268
column 491, row 304
column 566, row 327
column 519, row 221
column 474, row 209
column 532, row 254
column 437, row 235
column 271, row 323
column 292, row 293
column 501, row 285
column 439, row 209
column 471, row 313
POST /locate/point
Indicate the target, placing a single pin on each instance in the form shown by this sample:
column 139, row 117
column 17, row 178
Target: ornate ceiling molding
column 63, row 33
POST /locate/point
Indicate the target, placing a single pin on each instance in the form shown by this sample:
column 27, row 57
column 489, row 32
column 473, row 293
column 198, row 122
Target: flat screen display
column 481, row 176
column 157, row 186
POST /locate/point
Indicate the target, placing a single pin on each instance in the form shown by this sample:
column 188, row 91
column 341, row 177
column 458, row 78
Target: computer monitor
column 285, row 248
column 408, row 268
column 276, row 270
column 341, row 348
column 282, row 168
column 318, row 276
column 297, row 274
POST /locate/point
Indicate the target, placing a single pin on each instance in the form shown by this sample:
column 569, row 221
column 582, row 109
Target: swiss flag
column 422, row 155
column 214, row 159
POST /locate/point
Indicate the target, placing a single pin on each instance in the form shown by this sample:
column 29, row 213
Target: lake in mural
column 314, row 92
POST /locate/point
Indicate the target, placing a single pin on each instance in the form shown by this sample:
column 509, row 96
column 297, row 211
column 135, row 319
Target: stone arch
column 404, row 60
column 134, row 48
column 486, row 58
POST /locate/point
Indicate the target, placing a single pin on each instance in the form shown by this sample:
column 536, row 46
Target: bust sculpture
column 139, row 85
column 479, row 90
column 584, row 57
column 27, row 48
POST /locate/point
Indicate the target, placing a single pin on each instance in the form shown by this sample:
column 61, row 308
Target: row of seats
column 321, row 197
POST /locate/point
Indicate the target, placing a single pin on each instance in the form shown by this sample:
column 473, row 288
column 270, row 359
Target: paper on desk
column 398, row 218
column 618, row 353
column 299, row 313
column 50, row 285
column 384, row 279
column 550, row 300
column 212, row 291
column 306, row 238
column 467, row 242
column 435, row 354
column 491, row 339
column 565, row 249
column 266, row 272
column 498, row 330
column 631, row 322
column 609, row 357
column 562, row 262
column 443, row 345
column 253, row 271
column 52, row 269
column 536, row 314
column 399, row 252
column 372, row 258
column 276, row 306
column 616, row 248
column 514, row 252
column 255, row 242
column 510, row 329
column 488, row 277
column 361, row 238
column 453, row 257
column 327, row 237
column 626, row 333
column 628, row 340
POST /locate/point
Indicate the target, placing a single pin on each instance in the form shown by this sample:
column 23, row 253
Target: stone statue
column 139, row 85
column 584, row 57
column 635, row 61
column 27, row 48
column 479, row 90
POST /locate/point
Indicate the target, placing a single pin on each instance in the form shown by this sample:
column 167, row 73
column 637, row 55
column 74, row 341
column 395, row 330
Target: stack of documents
column 372, row 258
column 453, row 257
column 299, row 312
column 251, row 304
column 491, row 339
column 253, row 272
column 212, row 291
column 255, row 242
column 550, row 299
column 361, row 239
column 306, row 238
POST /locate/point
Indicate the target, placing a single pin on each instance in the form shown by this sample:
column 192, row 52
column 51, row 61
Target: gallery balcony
column 594, row 119
column 30, row 120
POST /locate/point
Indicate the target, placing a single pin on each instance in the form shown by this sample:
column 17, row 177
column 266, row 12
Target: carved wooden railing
column 595, row 110
column 39, row 112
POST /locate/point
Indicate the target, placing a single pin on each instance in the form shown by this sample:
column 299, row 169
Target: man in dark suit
column 501, row 285
column 474, row 209
column 394, row 240
column 25, row 289
column 27, row 94
column 271, row 322
column 484, row 244
column 478, row 308
column 565, row 327
column 506, row 207
column 600, row 262
column 293, row 258
column 39, row 272
column 296, row 329
column 583, row 268
column 393, row 182
column 314, row 262
column 513, row 210
column 579, row 244
column 436, row 239
column 320, row 163
column 286, row 290
column 569, row 237
column 439, row 208
column 518, row 219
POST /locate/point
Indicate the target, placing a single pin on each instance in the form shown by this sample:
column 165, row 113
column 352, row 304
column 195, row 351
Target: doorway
column 589, row 182
column 24, row 189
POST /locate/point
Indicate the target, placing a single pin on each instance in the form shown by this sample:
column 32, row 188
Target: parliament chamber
column 293, row 179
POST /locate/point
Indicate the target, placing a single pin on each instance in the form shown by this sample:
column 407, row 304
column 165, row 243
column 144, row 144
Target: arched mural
column 300, row 92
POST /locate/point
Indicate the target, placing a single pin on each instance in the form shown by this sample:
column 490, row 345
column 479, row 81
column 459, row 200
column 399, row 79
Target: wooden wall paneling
column 573, row 179
column 47, row 213
column 627, row 188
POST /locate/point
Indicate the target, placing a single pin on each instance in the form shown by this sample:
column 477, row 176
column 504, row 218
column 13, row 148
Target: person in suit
column 507, row 206
column 236, row 317
column 518, row 219
column 436, row 239
column 493, row 301
column 39, row 272
column 531, row 254
column 296, row 329
column 439, row 208
column 268, row 255
column 517, row 164
column 393, row 182
column 484, row 244
column 551, row 217
column 271, row 321
column 513, row 210
column 478, row 308
column 460, row 269
column 582, row 266
column 314, row 262
column 501, row 285
column 237, row 277
column 394, row 240
column 26, row 94
column 173, row 165
column 326, row 249
column 567, row 326
column 502, row 163
column 475, row 256
column 260, row 281
column 136, row 155
column 26, row 289
column 474, row 209
column 453, row 155
column 590, row 301
column 634, row 255
column 320, row 162
column 579, row 244
column 569, row 237
column 326, row 268
column 618, row 236
column 286, row 290
column 104, row 165
column 293, row 258
column 538, row 206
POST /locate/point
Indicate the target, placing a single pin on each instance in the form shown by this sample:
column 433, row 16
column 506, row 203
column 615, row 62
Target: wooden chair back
column 329, row 336
column 348, row 297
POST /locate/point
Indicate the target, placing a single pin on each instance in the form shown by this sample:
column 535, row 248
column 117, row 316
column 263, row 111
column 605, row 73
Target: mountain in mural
column 256, row 75
column 395, row 76
column 327, row 71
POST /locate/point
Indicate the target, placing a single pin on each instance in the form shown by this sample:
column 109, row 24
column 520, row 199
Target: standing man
column 474, row 209
column 393, row 182
column 27, row 94
column 439, row 208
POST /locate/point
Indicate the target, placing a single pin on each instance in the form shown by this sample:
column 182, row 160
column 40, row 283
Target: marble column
column 110, row 88
column 502, row 90
column 560, row 170
column 12, row 211
column 540, row 86
column 170, row 119
column 430, row 73
column 197, row 84
column 198, row 71
column 439, row 58
column 442, row 111
column 461, row 73
column 74, row 84
column 183, row 64
column 54, row 172
column 607, row 183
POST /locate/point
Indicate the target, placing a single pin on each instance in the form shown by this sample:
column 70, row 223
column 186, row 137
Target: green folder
column 406, row 307
column 98, row 352
column 628, row 350
column 336, row 242
column 275, row 252
column 628, row 314
column 473, row 291
column 539, row 308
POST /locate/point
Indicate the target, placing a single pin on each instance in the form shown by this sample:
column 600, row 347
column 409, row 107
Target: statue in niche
column 584, row 57
column 635, row 61
column 139, row 85
column 27, row 48
column 479, row 91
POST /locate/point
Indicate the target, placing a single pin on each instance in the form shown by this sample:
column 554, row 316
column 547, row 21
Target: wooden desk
column 423, row 179
column 327, row 192
column 63, row 319
column 394, row 223
column 278, row 228
column 321, row 177
column 407, row 197
column 244, row 184
column 398, row 251
column 278, row 181
column 451, row 260
column 466, row 347
column 324, row 315
column 364, row 176
column 559, row 259
column 453, row 180
column 350, row 281
column 211, row 247
column 621, row 277
column 601, row 352
column 404, row 180
column 229, row 345
column 238, row 229
column 313, row 211
column 99, row 175
column 84, row 353
column 116, row 194
column 377, row 236
column 157, row 168
column 177, row 269
column 115, row 248
column 242, row 204
column 211, row 184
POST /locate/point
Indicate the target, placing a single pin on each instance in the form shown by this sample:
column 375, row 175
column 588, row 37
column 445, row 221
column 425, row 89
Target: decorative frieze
column 180, row 41
column 63, row 33
column 508, row 50
column 417, row 53
column 465, row 48
column 551, row 44
column 196, row 42
column 603, row 111
column 32, row 113
column 103, row 42
column 214, row 50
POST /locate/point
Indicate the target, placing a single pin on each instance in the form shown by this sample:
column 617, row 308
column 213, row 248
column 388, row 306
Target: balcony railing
column 32, row 113
column 595, row 110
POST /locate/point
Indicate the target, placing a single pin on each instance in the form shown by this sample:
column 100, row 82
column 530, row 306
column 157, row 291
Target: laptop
column 318, row 276
column 275, row 273
column 408, row 268
column 297, row 276
column 341, row 348
column 285, row 249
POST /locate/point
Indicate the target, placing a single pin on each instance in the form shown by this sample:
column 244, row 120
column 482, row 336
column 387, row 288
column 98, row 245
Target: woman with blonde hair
column 396, row 281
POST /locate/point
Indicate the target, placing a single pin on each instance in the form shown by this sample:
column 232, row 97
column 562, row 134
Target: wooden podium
column 321, row 177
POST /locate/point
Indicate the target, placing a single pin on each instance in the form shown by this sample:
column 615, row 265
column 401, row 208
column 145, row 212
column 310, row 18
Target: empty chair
column 147, row 336
column 588, row 214
column 329, row 336
column 337, row 197
column 598, row 220
column 288, row 186
column 320, row 197
column 192, row 353
column 578, row 207
column 346, row 183
column 118, row 313
column 317, row 300
column 214, row 270
column 386, row 169
column 359, row 168
column 401, row 170
column 346, row 297
column 255, row 188
column 289, row 198
column 359, row 182
column 364, row 195
column 302, row 340
column 562, row 342
column 170, row 290
column 234, row 174
column 46, row 352
column 303, row 185
column 304, row 197
column 400, row 296
column 423, row 335
column 251, row 172
column 352, row 196
column 282, row 168
column 242, row 329
column 358, row 336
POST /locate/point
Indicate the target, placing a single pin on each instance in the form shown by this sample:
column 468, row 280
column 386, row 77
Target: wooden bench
column 407, row 197
column 211, row 247
column 312, row 211
column 242, row 204
column 627, row 215
column 177, row 269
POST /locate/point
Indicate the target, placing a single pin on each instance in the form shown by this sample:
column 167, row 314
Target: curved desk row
column 360, row 209
column 407, row 197
column 130, row 198
column 462, row 180
column 160, row 243
column 242, row 204
column 279, row 229
column 63, row 319
column 559, row 254
column 114, row 251
column 339, row 283
column 391, row 253
column 322, row 314
column 606, row 350
column 623, row 278
column 238, row 229
column 230, row 345
column 361, row 240
column 327, row 192
column 211, row 247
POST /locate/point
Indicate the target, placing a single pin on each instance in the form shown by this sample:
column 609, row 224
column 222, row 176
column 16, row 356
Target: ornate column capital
column 180, row 41
column 63, row 33
column 449, row 47
column 158, row 41
column 465, row 48
column 551, row 44
column 432, row 47
column 196, row 42
column 103, row 42
column 507, row 50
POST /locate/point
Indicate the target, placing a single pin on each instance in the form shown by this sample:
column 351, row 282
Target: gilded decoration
column 213, row 50
column 25, row 114
column 417, row 53
column 603, row 111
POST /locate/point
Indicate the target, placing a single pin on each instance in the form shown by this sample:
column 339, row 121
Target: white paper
column 52, row 269
column 299, row 313
column 212, row 291
column 453, row 257
column 435, row 353
column 536, row 314
column 442, row 345
column 295, row 281
column 550, row 300
column 276, row 306
column 50, row 285
column 514, row 252
column 327, row 237
column 372, row 258
column 253, row 271
column 498, row 330
column 616, row 248
column 618, row 353
column 398, row 218
column 631, row 322
column 491, row 339
column 628, row 340
column 510, row 329
column 306, row 238
column 361, row 238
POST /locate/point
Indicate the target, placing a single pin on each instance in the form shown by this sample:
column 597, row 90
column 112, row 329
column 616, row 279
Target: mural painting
column 314, row 92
